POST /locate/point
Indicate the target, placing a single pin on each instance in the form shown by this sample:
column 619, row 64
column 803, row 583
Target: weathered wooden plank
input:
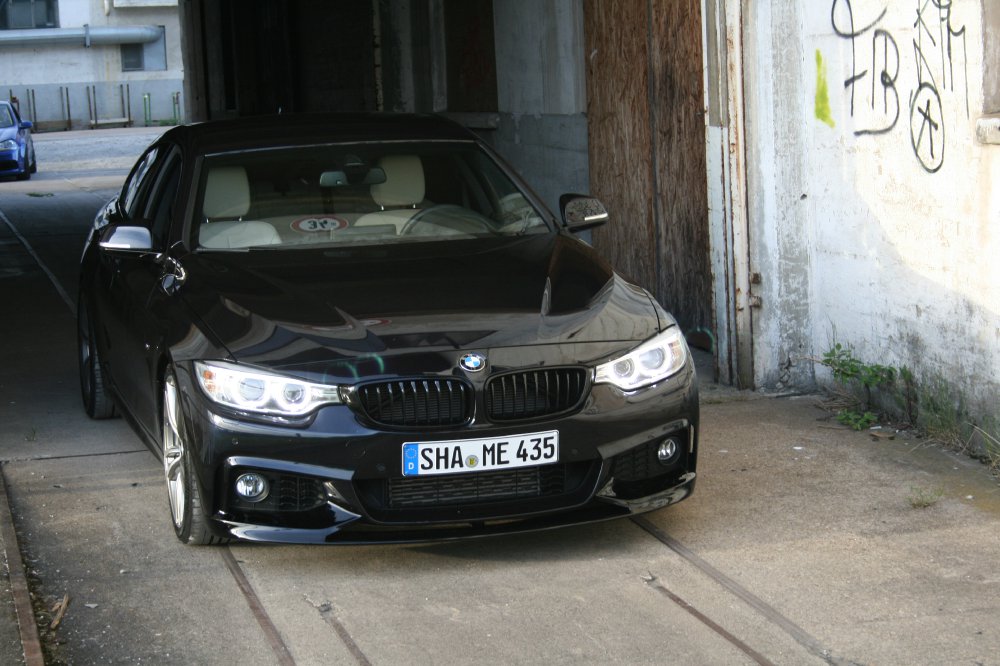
column 620, row 134
column 645, row 105
column 684, row 280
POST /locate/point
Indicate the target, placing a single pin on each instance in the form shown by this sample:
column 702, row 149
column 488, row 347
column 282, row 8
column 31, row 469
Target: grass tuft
column 923, row 498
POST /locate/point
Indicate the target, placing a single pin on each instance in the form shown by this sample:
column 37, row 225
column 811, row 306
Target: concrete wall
column 874, row 216
column 44, row 68
column 542, row 94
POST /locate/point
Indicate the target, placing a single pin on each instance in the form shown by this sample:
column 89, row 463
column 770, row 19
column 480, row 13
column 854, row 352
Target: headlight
column 9, row 144
column 252, row 390
column 652, row 361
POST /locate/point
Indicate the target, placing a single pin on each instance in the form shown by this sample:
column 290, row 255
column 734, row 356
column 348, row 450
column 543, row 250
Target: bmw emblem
column 473, row 362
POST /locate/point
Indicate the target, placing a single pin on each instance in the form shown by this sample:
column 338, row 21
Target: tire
column 97, row 401
column 26, row 174
column 183, row 494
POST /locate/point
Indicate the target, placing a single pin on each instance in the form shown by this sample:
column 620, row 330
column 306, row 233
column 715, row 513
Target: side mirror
column 129, row 238
column 26, row 124
column 580, row 212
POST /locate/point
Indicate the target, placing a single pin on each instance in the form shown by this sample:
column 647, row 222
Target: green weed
column 923, row 498
column 856, row 421
column 871, row 392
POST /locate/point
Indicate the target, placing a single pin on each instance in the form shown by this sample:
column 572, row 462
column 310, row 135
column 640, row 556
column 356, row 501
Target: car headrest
column 404, row 181
column 227, row 193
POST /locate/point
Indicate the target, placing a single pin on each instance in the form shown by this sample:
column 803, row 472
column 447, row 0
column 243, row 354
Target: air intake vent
column 476, row 488
column 528, row 395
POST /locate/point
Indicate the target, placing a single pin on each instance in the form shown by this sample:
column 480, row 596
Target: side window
column 137, row 185
column 160, row 207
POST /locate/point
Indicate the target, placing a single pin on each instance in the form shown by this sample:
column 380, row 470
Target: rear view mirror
column 374, row 176
column 332, row 179
column 580, row 212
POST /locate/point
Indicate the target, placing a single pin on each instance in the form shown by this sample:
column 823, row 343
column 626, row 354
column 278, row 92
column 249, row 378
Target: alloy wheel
column 173, row 452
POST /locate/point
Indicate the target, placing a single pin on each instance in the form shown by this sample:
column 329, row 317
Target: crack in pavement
column 325, row 610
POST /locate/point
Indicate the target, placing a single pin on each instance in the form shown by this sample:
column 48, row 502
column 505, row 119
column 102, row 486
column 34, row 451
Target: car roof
column 220, row 136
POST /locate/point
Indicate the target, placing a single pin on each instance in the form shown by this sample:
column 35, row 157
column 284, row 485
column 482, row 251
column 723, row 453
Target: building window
column 21, row 14
column 132, row 60
column 145, row 57
column 991, row 44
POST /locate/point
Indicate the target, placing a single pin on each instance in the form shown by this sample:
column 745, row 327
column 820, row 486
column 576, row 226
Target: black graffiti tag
column 885, row 54
column 884, row 68
column 927, row 127
column 935, row 48
column 940, row 57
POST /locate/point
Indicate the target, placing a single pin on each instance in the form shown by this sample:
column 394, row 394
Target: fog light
column 252, row 487
column 667, row 452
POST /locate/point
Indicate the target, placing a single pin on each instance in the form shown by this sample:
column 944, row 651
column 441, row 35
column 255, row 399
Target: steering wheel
column 448, row 210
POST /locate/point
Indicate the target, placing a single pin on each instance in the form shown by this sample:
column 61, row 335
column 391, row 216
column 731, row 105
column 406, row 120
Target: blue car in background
column 17, row 152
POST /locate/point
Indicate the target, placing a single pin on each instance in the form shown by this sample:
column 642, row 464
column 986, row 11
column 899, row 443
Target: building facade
column 866, row 183
column 87, row 63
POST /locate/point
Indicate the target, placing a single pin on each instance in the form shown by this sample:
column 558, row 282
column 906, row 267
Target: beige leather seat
column 401, row 193
column 237, row 234
column 227, row 200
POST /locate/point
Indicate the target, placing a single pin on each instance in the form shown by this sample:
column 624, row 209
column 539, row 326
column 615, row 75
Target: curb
column 30, row 644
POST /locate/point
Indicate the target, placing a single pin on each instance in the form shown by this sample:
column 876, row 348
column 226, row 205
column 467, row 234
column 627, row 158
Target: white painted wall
column 881, row 231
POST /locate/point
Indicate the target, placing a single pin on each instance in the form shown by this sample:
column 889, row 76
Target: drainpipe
column 85, row 36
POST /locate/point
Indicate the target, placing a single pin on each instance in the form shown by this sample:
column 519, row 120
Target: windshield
column 6, row 117
column 363, row 193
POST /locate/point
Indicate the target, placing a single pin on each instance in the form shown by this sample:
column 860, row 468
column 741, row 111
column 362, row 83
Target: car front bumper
column 11, row 163
column 338, row 480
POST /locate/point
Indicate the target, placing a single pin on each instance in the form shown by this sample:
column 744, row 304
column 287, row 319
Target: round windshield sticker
column 311, row 225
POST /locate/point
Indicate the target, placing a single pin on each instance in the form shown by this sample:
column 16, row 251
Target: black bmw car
column 358, row 329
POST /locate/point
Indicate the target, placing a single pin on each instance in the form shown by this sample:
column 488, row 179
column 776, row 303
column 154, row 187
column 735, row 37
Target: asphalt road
column 801, row 544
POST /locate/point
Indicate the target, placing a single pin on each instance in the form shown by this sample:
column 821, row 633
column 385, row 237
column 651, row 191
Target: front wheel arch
column 184, row 493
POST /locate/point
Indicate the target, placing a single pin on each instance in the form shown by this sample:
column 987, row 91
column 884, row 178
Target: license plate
column 480, row 455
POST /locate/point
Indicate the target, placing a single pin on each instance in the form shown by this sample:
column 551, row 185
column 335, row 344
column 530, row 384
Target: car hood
column 283, row 308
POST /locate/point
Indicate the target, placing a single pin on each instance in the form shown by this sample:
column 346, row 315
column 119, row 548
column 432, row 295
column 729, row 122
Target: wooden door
column 645, row 106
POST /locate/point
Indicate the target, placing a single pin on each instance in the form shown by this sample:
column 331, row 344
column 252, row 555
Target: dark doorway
column 266, row 56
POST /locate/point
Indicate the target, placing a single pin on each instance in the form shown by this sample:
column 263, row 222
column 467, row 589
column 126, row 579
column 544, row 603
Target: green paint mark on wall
column 822, row 93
